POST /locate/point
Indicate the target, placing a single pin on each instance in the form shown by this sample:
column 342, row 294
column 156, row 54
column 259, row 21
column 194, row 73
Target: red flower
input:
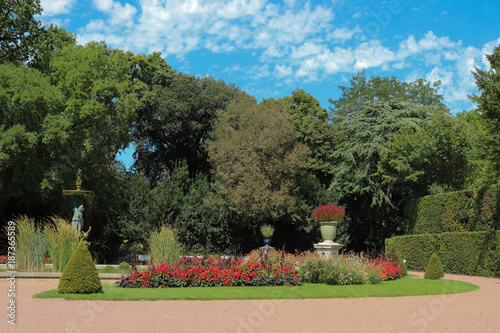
column 328, row 213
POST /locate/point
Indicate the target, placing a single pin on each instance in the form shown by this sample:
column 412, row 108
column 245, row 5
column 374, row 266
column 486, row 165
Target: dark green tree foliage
column 80, row 275
column 101, row 100
column 355, row 185
column 48, row 41
column 488, row 105
column 434, row 269
column 257, row 159
column 370, row 130
column 175, row 120
column 313, row 129
column 27, row 167
column 18, row 28
column 367, row 117
column 437, row 153
column 363, row 92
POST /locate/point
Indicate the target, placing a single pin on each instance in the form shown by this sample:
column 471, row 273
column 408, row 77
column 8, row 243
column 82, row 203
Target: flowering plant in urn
column 328, row 213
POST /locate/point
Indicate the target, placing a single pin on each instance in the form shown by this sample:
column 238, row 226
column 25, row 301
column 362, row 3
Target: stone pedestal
column 266, row 248
column 328, row 248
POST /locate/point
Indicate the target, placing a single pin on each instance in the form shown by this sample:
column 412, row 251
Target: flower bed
column 345, row 269
column 210, row 272
column 276, row 269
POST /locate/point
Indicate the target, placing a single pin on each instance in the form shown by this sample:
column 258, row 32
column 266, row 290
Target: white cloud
column 372, row 54
column 281, row 71
column 289, row 40
column 119, row 15
column 343, row 34
column 56, row 7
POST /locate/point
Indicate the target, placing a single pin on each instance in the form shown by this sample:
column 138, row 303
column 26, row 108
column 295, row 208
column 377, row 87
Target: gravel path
column 477, row 311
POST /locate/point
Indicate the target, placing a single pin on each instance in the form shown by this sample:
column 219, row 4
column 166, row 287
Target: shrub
column 164, row 245
column 434, row 268
column 123, row 265
column 340, row 270
column 63, row 242
column 80, row 275
column 396, row 258
column 467, row 253
column 390, row 270
column 467, row 210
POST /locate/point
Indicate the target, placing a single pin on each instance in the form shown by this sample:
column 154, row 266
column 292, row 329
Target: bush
column 434, row 269
column 466, row 253
column 123, row 265
column 341, row 270
column 164, row 245
column 396, row 258
column 80, row 275
column 467, row 210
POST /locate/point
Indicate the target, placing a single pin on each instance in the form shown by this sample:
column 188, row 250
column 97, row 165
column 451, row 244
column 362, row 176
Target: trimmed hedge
column 469, row 210
column 466, row 253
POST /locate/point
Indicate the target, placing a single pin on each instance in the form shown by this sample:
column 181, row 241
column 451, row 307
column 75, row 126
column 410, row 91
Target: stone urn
column 328, row 231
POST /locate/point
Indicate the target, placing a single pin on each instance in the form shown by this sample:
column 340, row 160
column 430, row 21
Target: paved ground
column 477, row 311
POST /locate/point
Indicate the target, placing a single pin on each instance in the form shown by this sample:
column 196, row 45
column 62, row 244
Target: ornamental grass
column 63, row 242
column 31, row 244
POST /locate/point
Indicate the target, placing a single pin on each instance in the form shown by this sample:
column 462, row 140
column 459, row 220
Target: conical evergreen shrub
column 80, row 275
column 434, row 269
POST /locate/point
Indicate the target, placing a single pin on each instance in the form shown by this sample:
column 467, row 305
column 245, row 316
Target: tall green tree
column 18, row 28
column 437, row 153
column 175, row 121
column 313, row 129
column 363, row 92
column 257, row 159
column 488, row 105
column 367, row 116
column 28, row 149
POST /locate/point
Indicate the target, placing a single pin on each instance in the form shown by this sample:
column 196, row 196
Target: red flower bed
column 3, row 259
column 210, row 272
column 390, row 270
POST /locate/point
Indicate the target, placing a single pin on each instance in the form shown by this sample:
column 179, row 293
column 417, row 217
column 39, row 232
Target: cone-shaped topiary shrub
column 80, row 275
column 434, row 268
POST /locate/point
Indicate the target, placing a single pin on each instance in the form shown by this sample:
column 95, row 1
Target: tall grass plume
column 63, row 242
column 31, row 244
column 164, row 245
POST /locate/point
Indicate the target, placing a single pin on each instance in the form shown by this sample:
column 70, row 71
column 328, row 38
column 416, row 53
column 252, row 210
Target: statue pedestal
column 328, row 248
column 266, row 249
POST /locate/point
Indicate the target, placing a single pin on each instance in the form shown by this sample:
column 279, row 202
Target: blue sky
column 270, row 48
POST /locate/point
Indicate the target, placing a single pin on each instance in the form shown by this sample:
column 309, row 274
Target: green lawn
column 402, row 287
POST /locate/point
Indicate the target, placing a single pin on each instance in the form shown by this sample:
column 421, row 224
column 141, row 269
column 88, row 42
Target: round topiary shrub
column 80, row 275
column 434, row 268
